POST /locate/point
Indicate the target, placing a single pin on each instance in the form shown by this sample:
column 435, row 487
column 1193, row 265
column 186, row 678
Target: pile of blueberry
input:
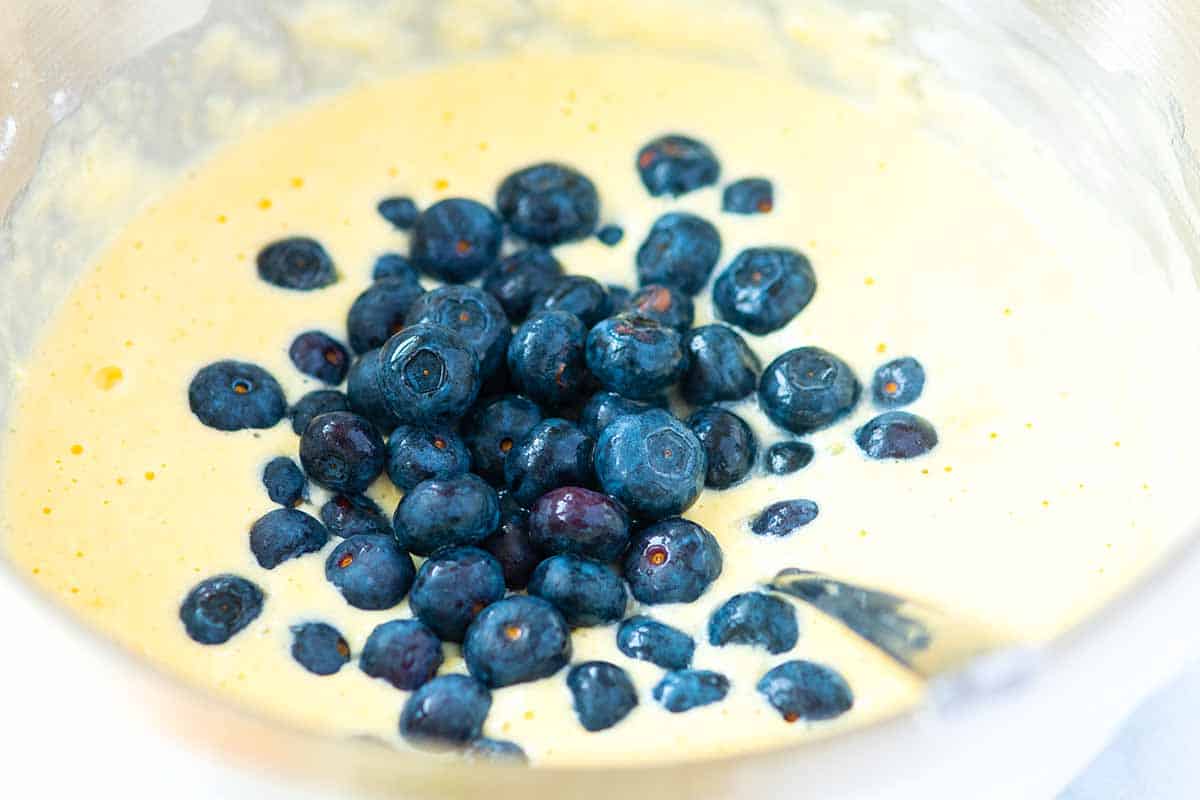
column 525, row 415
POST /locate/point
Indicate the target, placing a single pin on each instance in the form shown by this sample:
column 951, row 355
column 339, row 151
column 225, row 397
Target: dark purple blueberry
column 321, row 356
column 520, row 277
column 402, row 212
column 494, row 429
column 673, row 561
column 784, row 517
column 764, row 289
column 349, row 515
column 549, row 203
column 429, row 375
column 546, row 358
column 342, row 452
column 898, row 383
column 603, row 694
column 235, row 395
column 784, row 458
column 748, row 196
column 284, row 534
column 648, row 639
column 611, row 235
column 219, row 607
column 807, row 389
column 676, row 164
column 578, row 294
column 635, row 357
column 445, row 512
column 394, row 265
column 581, row 522
column 896, row 435
column 516, row 640
column 680, row 251
column 651, row 463
column 721, row 366
column 319, row 648
column 314, row 404
column 284, row 481
column 686, row 689
column 757, row 620
column 379, row 312
column 554, row 453
column 446, row 713
column 802, row 690
column 370, row 571
column 419, row 454
column 664, row 305
column 296, row 263
column 456, row 240
column 730, row 446
column 511, row 546
column 473, row 314
column 452, row 587
column 403, row 652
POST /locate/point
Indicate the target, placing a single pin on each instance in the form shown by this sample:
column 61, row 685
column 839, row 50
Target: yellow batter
column 1053, row 486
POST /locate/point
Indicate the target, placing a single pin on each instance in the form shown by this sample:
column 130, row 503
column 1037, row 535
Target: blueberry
column 546, row 358
column 394, row 265
column 604, row 407
column 898, row 382
column 371, row 571
column 234, row 395
column 418, row 454
column 602, row 693
column 284, row 534
column 452, row 587
column 611, row 235
column 455, row 240
column 342, row 452
column 297, row 263
column 673, row 561
column 516, row 640
column 444, row 512
column 315, row 403
column 554, row 453
column 755, row 619
column 364, row 391
column 686, row 689
column 520, row 277
column 219, row 607
column 587, row 592
column 403, row 652
column 495, row 750
column 580, row 295
column 648, row 639
column 473, row 314
column 579, row 521
column 764, row 289
column 402, row 212
column 748, row 196
column 784, row 458
column 635, row 357
column 549, row 203
column 730, row 446
column 896, row 434
column 807, row 389
column 349, row 515
column 784, row 517
column 320, row 356
column 319, row 648
column 680, row 251
column 494, row 429
column 675, row 164
column 651, row 463
column 802, row 690
column 511, row 546
column 721, row 366
column 379, row 312
column 619, row 298
column 447, row 712
column 429, row 375
column 666, row 306
column 284, row 482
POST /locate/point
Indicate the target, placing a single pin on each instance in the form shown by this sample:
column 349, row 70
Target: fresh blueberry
column 418, row 454
column 898, row 382
column 371, row 571
column 675, row 164
column 686, row 689
column 429, row 375
column 511, row 546
column 379, row 312
column 494, row 429
column 314, row 404
column 673, row 561
column 549, row 203
column 452, row 587
column 580, row 295
column 896, row 434
column 602, row 692
column 748, row 196
column 446, row 713
column 784, row 458
column 802, row 690
column 515, row 640
column 764, row 289
column 664, row 305
column 319, row 648
column 784, row 517
column 611, row 235
column 455, row 240
column 495, row 750
column 807, row 389
column 219, row 607
column 284, row 534
column 755, row 619
column 587, row 592
column 364, row 391
column 648, row 639
column 473, row 314
column 721, row 366
column 619, row 298
column 297, row 263
column 394, row 265
column 554, row 453
column 320, row 356
column 604, row 407
column 730, row 446
column 285, row 482
column 402, row 212
column 579, row 521
column 234, row 395
column 348, row 515
column 444, row 512
column 635, row 357
column 342, row 452
column 680, row 251
column 546, row 358
column 520, row 277
column 651, row 463
column 403, row 652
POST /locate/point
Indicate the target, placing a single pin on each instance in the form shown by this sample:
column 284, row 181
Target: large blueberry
column 296, row 263
column 783, row 518
column 348, row 515
column 511, row 546
column 364, row 391
column 549, row 203
column 585, row 591
column 516, row 640
column 234, row 395
column 394, row 265
column 446, row 713
column 652, row 463
column 807, row 389
column 546, row 358
column 898, row 382
column 314, row 404
column 648, row 639
column 284, row 481
column 721, row 366
column 342, row 452
column 604, row 407
column 455, row 240
column 686, row 689
column 473, row 314
column 755, row 619
column 494, row 429
column 764, row 289
column 319, row 648
column 219, row 607
column 675, row 164
column 748, row 196
column 664, row 305
column 554, row 453
column 379, row 312
column 429, row 375
column 284, row 534
column 803, row 690
column 680, row 251
column 402, row 212
column 443, row 512
column 575, row 520
column 417, row 454
column 578, row 294
column 673, row 561
column 371, row 571
column 635, row 357
column 896, row 434
column 730, row 446
column 603, row 694
column 403, row 652
column 321, row 356
column 520, row 277
column 452, row 587
column 784, row 458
